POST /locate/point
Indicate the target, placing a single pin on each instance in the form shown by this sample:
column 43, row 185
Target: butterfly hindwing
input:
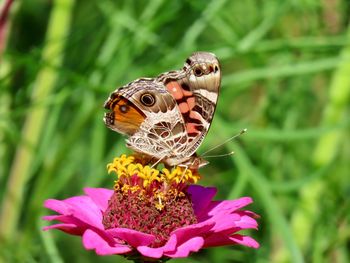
column 196, row 93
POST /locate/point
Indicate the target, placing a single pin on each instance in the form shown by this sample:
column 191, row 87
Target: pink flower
column 217, row 224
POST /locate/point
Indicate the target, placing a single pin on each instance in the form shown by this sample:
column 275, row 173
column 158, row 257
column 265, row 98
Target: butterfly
column 167, row 117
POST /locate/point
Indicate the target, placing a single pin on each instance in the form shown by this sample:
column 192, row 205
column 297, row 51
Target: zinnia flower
column 152, row 215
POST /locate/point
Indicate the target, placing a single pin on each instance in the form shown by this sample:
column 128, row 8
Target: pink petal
column 151, row 252
column 191, row 245
column 100, row 196
column 217, row 239
column 201, row 197
column 132, row 237
column 224, row 240
column 73, row 222
column 103, row 246
column 159, row 251
column 61, row 218
column 228, row 206
column 226, row 222
column 58, row 206
column 68, row 219
column 245, row 240
column 81, row 207
column 185, row 233
column 68, row 228
column 234, row 222
column 246, row 222
column 86, row 210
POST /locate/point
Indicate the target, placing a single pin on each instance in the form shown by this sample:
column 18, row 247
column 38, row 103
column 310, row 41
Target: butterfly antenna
column 226, row 141
column 220, row 155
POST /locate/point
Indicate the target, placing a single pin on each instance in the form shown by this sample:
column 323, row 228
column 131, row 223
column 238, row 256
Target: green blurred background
column 286, row 77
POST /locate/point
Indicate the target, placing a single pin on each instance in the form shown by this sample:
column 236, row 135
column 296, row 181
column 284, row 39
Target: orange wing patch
column 177, row 91
column 127, row 117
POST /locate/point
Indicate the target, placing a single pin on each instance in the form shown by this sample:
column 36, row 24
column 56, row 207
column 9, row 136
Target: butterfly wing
column 168, row 117
column 152, row 120
column 195, row 89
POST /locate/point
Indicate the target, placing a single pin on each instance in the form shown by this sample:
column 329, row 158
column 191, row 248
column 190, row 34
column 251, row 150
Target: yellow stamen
column 125, row 166
column 160, row 184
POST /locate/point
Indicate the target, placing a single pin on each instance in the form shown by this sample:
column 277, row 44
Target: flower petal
column 233, row 222
column 158, row 252
column 228, row 206
column 81, row 207
column 70, row 225
column 61, row 218
column 185, row 233
column 99, row 196
column 132, row 237
column 245, row 240
column 102, row 246
column 224, row 240
column 201, row 197
column 223, row 223
column 87, row 211
column 58, row 206
column 191, row 245
column 246, row 221
column 68, row 228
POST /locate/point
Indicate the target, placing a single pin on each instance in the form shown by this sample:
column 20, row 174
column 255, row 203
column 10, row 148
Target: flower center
column 149, row 200
column 134, row 211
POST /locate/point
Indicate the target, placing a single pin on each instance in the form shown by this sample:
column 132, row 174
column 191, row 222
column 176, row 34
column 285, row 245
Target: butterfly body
column 166, row 118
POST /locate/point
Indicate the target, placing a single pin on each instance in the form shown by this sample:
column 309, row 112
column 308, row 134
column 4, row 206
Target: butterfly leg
column 158, row 161
column 187, row 166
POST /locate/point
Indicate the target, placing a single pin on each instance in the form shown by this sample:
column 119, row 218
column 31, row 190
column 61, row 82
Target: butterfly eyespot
column 198, row 72
column 148, row 99
column 124, row 108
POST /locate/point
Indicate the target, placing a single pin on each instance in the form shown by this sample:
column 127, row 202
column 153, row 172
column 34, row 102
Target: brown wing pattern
column 168, row 117
column 196, row 92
